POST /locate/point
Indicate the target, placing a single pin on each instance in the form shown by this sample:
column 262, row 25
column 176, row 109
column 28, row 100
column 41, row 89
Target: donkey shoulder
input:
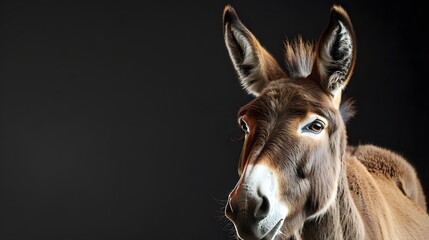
column 380, row 161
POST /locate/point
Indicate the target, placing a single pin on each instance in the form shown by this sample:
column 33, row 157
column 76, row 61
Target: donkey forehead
column 288, row 97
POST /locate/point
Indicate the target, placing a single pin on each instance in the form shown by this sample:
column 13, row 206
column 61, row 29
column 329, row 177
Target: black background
column 118, row 119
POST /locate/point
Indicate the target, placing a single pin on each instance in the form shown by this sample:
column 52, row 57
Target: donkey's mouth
column 272, row 233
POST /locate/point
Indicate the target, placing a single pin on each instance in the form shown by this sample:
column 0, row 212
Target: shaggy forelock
column 299, row 57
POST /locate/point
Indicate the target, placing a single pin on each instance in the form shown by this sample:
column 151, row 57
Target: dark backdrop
column 118, row 119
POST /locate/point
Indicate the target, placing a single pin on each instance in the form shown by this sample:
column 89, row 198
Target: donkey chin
column 254, row 206
column 265, row 230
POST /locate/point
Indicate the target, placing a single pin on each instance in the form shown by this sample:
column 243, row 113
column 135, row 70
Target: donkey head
column 294, row 130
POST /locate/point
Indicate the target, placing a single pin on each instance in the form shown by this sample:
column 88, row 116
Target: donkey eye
column 243, row 125
column 316, row 126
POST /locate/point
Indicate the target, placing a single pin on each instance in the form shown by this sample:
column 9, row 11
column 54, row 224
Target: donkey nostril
column 263, row 209
column 265, row 206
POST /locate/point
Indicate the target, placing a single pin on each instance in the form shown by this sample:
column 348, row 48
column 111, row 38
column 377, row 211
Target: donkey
column 298, row 179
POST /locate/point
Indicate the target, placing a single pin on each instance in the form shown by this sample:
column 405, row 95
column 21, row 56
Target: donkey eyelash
column 316, row 126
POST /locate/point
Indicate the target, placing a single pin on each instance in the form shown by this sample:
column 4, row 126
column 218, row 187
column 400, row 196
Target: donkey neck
column 341, row 221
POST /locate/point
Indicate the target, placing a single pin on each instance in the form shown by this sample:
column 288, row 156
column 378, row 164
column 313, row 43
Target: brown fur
column 389, row 210
column 384, row 162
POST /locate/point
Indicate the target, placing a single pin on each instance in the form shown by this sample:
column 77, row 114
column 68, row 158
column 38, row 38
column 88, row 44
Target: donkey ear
column 336, row 53
column 254, row 65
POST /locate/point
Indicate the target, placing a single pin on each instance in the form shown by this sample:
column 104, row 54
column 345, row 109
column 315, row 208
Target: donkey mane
column 299, row 57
